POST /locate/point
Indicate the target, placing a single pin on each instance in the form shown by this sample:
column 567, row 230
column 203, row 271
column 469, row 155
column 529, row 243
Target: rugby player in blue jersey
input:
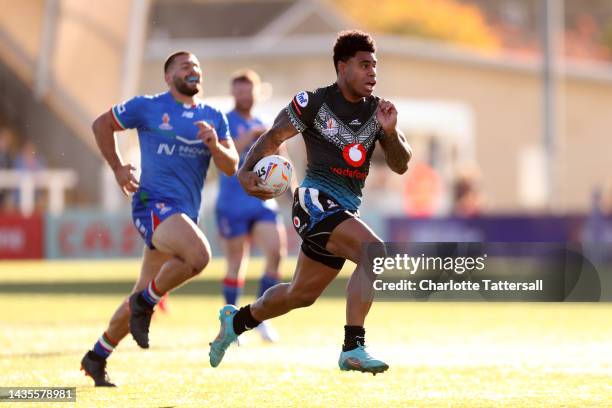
column 178, row 135
column 341, row 125
column 242, row 219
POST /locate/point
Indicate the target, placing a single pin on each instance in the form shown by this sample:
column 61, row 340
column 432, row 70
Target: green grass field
column 441, row 354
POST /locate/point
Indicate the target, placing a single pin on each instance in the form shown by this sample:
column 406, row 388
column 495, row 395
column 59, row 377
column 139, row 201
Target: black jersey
column 340, row 137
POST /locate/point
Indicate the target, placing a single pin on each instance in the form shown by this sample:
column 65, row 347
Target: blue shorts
column 240, row 221
column 148, row 215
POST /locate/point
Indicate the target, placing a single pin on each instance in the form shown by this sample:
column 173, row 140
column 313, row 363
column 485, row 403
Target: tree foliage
column 445, row 20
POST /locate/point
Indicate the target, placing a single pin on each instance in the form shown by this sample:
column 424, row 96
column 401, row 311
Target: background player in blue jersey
column 178, row 135
column 340, row 124
column 242, row 219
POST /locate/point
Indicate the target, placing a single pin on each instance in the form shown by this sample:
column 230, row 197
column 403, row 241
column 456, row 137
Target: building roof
column 178, row 19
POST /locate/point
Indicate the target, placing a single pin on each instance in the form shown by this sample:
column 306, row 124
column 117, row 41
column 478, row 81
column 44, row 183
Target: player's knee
column 376, row 249
column 234, row 267
column 198, row 261
column 373, row 246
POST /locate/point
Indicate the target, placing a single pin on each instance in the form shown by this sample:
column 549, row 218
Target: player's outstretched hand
column 208, row 134
column 386, row 114
column 251, row 183
column 124, row 175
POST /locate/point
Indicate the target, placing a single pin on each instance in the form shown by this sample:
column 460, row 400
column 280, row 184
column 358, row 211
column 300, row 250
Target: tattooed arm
column 267, row 144
column 397, row 150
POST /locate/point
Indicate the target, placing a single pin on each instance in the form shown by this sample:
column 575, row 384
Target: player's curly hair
column 349, row 43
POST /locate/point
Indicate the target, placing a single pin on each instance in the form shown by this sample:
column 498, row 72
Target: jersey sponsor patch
column 354, row 173
column 302, row 99
column 354, row 154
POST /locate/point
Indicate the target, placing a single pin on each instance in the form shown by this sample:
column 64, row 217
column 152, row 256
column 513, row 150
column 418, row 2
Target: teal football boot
column 225, row 337
column 360, row 360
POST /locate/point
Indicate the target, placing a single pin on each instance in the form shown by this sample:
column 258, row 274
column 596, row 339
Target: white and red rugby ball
column 275, row 173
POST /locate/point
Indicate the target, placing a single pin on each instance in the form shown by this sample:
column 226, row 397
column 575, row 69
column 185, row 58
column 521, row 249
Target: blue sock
column 232, row 289
column 104, row 346
column 265, row 283
column 151, row 295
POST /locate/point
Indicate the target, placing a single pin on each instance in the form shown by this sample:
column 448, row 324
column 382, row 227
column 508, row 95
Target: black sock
column 244, row 320
column 354, row 336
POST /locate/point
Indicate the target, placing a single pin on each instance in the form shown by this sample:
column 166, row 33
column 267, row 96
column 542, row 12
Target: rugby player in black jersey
column 341, row 124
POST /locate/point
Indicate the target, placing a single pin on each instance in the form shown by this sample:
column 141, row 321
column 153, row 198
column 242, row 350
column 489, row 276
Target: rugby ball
column 275, row 173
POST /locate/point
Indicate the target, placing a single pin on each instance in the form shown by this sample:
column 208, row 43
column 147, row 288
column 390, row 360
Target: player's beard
column 182, row 87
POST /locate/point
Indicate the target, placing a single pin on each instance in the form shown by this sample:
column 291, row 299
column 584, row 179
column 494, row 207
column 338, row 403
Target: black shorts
column 315, row 215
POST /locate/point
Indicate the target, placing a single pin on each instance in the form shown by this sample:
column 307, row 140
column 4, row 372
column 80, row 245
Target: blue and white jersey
column 231, row 194
column 174, row 161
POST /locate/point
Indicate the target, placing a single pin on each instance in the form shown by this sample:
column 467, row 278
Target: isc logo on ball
column 275, row 173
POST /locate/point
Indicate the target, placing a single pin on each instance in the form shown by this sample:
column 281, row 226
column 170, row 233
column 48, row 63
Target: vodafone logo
column 355, row 173
column 296, row 222
column 354, row 154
